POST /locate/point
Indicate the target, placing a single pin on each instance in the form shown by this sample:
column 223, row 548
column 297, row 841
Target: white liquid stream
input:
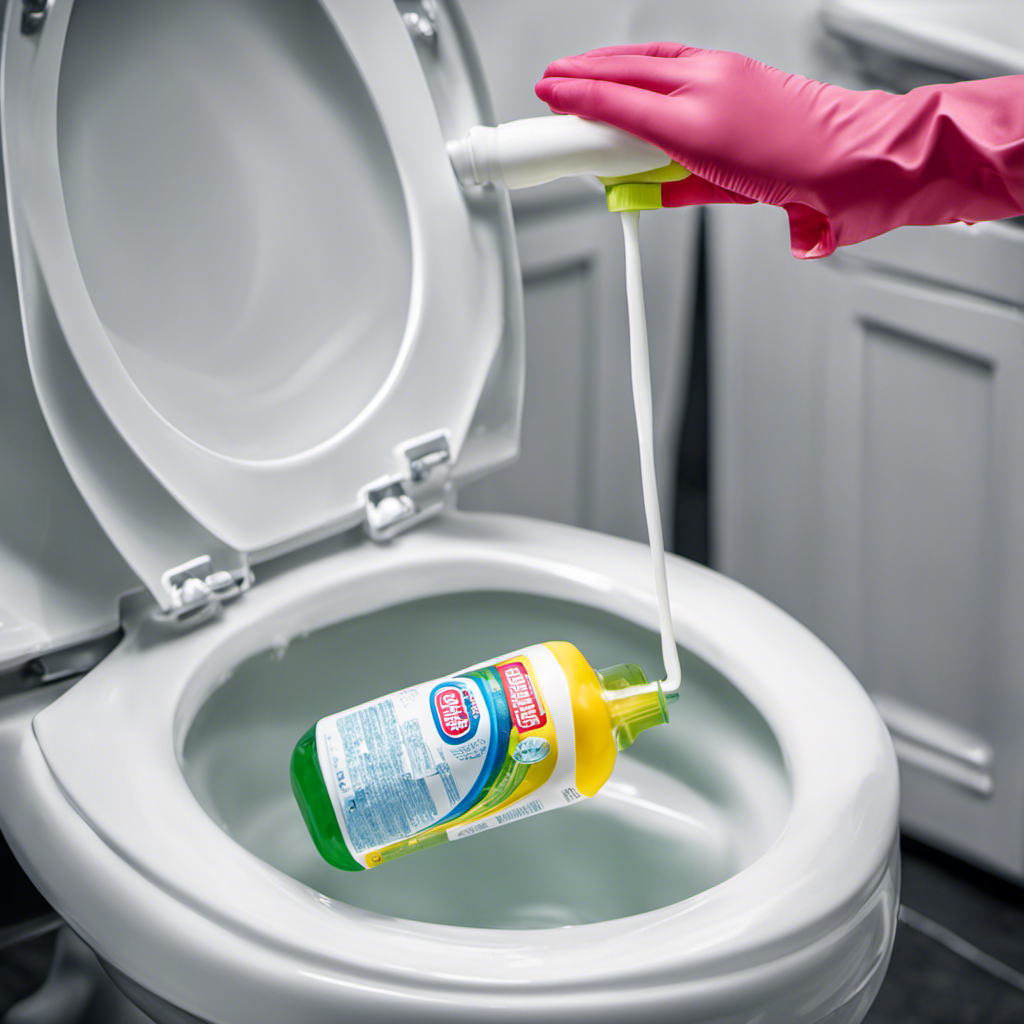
column 540, row 149
column 640, row 371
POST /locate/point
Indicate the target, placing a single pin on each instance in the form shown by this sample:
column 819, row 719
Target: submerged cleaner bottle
column 440, row 761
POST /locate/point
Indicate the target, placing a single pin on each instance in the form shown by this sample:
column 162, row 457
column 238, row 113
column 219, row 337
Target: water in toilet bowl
column 689, row 805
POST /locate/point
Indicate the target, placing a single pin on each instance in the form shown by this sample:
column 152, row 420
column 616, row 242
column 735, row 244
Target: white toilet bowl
column 150, row 803
column 264, row 327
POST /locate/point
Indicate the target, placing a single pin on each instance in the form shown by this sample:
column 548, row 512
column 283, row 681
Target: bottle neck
column 634, row 703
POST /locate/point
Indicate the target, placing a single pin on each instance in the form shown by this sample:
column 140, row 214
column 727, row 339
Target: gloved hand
column 844, row 165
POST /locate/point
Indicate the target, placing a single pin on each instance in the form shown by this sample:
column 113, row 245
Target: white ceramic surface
column 184, row 911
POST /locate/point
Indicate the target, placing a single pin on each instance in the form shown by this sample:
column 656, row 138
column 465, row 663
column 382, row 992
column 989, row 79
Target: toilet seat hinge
column 33, row 14
column 194, row 587
column 420, row 18
column 393, row 504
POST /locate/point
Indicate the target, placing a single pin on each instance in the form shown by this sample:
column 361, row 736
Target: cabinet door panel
column 868, row 473
column 922, row 518
column 578, row 461
column 565, row 279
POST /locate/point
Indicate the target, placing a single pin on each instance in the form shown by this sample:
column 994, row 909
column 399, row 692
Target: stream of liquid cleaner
column 640, row 373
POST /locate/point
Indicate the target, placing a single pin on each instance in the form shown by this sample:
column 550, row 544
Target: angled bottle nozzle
column 634, row 193
column 634, row 703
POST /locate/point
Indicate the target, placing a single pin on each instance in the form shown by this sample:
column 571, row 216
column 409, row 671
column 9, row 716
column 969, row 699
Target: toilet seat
column 174, row 903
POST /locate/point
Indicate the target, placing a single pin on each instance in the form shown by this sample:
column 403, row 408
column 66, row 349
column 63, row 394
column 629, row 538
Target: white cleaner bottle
column 537, row 150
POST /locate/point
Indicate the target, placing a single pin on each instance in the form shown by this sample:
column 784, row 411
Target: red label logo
column 523, row 701
column 455, row 712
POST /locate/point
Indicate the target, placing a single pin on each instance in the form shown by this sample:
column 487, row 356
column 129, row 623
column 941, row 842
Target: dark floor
column 959, row 953
column 958, row 958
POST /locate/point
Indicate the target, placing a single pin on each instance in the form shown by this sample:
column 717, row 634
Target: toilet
column 266, row 338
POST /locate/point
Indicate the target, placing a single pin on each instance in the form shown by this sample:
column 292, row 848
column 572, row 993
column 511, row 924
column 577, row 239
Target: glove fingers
column 645, row 50
column 694, row 191
column 638, row 111
column 656, row 74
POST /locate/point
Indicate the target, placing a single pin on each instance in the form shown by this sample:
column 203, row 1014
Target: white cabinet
column 894, row 387
column 923, row 530
column 578, row 461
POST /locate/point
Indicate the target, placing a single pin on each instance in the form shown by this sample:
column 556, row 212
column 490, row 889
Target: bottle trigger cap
column 633, row 193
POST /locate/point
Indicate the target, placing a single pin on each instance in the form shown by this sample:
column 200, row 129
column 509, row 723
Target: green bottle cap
column 631, row 193
column 634, row 703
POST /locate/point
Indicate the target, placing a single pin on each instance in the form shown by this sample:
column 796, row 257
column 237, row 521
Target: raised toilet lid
column 257, row 305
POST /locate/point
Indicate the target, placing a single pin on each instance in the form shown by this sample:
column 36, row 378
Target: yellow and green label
column 447, row 759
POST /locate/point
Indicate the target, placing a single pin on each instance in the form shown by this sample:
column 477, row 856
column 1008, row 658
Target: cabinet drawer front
column 986, row 260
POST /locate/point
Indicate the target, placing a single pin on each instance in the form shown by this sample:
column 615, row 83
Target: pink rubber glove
column 844, row 165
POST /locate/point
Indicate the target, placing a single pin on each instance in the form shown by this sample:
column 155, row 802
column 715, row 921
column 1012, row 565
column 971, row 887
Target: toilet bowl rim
column 565, row 549
column 225, row 969
column 216, row 979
